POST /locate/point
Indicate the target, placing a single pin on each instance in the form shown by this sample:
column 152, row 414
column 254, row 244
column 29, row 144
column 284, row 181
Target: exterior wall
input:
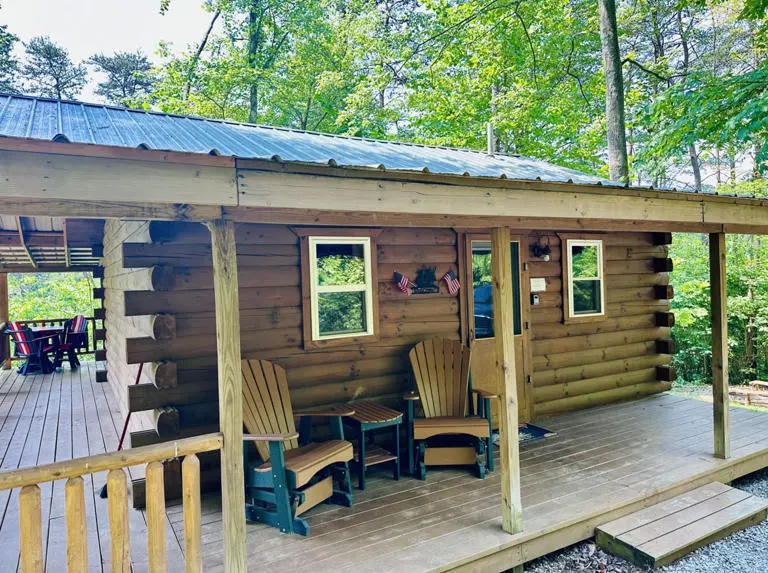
column 580, row 365
column 573, row 365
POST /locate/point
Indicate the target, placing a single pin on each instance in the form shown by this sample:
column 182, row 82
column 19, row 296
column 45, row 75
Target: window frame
column 567, row 267
column 309, row 239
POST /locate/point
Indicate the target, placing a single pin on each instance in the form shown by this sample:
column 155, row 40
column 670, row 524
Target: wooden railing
column 30, row 514
column 90, row 342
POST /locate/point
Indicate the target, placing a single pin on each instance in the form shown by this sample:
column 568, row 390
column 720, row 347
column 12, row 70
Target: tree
column 49, row 72
column 129, row 76
column 8, row 63
column 618, row 164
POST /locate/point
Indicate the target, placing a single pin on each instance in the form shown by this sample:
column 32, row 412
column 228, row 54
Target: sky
column 87, row 27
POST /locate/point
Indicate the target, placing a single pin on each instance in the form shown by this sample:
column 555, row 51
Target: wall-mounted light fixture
column 539, row 251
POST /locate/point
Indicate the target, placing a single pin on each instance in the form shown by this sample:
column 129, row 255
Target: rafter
column 24, row 242
column 66, row 243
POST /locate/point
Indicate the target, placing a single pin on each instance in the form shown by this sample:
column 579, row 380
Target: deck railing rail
column 115, row 463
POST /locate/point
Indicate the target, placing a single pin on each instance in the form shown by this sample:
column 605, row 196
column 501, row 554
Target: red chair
column 33, row 350
column 74, row 337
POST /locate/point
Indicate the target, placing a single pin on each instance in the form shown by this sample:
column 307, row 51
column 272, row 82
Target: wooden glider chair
column 33, row 350
column 441, row 370
column 74, row 337
column 293, row 474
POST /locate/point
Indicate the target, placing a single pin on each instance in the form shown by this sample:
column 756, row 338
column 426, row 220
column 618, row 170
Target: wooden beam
column 503, row 326
column 67, row 258
column 224, row 253
column 24, row 242
column 719, row 313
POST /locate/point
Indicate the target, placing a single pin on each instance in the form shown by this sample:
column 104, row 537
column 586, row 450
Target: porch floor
column 604, row 462
column 54, row 417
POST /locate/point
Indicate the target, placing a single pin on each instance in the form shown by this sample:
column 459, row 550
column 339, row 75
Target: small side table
column 368, row 417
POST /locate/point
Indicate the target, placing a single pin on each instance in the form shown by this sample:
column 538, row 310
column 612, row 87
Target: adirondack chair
column 441, row 370
column 75, row 336
column 293, row 474
column 33, row 350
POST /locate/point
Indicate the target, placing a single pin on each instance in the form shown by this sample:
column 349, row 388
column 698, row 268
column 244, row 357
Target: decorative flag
column 402, row 283
column 452, row 282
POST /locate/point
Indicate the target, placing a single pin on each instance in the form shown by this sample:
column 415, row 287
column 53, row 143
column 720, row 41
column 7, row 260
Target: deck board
column 603, row 463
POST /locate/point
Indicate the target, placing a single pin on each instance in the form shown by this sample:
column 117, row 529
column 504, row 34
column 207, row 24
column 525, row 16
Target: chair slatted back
column 21, row 336
column 78, row 324
column 267, row 403
column 441, row 369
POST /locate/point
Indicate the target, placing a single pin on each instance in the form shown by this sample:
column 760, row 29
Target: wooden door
column 480, row 317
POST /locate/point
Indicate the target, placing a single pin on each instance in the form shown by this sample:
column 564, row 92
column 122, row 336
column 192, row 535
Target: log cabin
column 210, row 236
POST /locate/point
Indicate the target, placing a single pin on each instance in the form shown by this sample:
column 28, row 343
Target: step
column 664, row 532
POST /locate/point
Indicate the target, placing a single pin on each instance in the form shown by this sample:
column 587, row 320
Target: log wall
column 160, row 312
column 584, row 364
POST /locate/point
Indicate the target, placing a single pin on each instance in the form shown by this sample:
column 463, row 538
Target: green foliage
column 129, row 77
column 747, row 281
column 49, row 72
column 34, row 296
column 8, row 63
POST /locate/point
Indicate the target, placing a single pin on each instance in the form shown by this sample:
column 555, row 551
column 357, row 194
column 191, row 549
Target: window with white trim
column 586, row 283
column 341, row 287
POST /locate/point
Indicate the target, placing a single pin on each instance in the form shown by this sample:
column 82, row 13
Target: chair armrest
column 270, row 437
column 484, row 394
column 327, row 413
column 411, row 395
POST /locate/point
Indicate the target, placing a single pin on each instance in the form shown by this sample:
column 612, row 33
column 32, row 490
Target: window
column 341, row 289
column 482, row 294
column 585, row 284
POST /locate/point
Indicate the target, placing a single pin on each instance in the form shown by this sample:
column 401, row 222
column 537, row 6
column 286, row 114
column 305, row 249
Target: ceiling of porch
column 40, row 244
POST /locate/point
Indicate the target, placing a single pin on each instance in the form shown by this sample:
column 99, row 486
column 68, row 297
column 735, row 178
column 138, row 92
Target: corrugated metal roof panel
column 78, row 122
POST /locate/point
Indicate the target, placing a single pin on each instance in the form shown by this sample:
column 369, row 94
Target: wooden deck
column 603, row 463
column 56, row 417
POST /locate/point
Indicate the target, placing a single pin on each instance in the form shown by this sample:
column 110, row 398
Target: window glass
column 482, row 293
column 340, row 265
column 341, row 290
column 585, row 278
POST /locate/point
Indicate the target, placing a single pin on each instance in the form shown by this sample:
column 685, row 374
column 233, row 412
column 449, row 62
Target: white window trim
column 569, row 243
column 316, row 289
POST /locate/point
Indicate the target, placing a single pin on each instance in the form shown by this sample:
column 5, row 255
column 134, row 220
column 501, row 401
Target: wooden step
column 662, row 533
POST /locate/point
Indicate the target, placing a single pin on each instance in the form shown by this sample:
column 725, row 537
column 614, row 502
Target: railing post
column 31, row 529
column 226, row 297
column 503, row 327
column 156, row 518
column 719, row 314
column 190, row 480
column 77, row 542
column 118, row 521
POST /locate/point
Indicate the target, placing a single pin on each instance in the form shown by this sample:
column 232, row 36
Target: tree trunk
column 695, row 166
column 614, row 93
column 254, row 41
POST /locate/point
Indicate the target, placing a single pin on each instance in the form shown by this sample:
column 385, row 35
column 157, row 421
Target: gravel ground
column 745, row 551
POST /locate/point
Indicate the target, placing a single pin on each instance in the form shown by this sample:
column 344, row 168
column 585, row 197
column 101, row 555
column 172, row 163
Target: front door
column 480, row 314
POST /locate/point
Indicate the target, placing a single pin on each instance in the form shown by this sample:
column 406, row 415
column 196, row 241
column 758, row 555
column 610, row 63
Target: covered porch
column 604, row 462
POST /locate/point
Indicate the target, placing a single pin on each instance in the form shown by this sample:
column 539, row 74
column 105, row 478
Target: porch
column 603, row 462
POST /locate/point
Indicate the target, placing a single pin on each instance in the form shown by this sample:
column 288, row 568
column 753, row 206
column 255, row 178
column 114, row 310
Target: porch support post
column 230, row 392
column 719, row 313
column 503, row 327
column 5, row 350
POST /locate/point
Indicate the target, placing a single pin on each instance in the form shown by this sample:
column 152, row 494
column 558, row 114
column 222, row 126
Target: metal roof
column 79, row 122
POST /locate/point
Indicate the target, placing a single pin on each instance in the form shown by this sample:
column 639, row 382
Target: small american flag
column 452, row 282
column 402, row 282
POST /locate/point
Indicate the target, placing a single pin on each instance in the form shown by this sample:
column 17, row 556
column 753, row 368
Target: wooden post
column 156, row 518
column 503, row 326
column 190, row 474
column 77, row 540
column 719, row 313
column 5, row 351
column 31, row 530
column 230, row 392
